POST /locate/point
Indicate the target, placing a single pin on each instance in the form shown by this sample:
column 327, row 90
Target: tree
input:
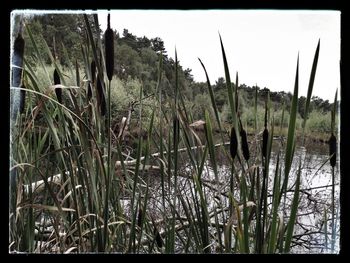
column 62, row 31
column 220, row 84
column 301, row 106
column 188, row 75
column 127, row 61
column 158, row 45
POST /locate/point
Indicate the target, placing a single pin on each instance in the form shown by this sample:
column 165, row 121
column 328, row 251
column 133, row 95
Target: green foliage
column 319, row 122
column 166, row 184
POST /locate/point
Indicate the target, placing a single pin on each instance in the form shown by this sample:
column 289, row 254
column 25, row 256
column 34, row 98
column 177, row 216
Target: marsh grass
column 166, row 194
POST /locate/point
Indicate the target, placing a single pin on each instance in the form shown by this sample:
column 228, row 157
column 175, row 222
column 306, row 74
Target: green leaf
column 293, row 213
column 311, row 84
column 212, row 98
column 291, row 131
column 334, row 112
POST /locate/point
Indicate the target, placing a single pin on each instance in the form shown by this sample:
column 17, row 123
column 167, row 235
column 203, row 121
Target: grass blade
column 293, row 213
column 291, row 131
column 309, row 90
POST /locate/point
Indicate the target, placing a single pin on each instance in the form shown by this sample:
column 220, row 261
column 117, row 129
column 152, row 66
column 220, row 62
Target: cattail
column 139, row 218
column 16, row 71
column 17, row 60
column 77, row 72
column 93, row 71
column 56, row 81
column 265, row 133
column 233, row 143
column 109, row 50
column 333, row 149
column 89, row 90
column 93, row 78
column 245, row 147
column 159, row 239
column 101, row 96
column 264, row 145
column 176, row 126
column 22, row 99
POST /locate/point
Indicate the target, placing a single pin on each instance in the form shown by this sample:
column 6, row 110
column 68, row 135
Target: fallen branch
column 56, row 179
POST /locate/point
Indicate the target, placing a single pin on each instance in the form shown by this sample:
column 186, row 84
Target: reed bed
column 79, row 189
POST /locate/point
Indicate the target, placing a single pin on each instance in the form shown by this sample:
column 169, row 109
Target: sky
column 262, row 46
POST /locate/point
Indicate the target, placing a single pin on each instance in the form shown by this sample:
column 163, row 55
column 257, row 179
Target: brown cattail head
column 158, row 238
column 18, row 47
column 56, row 81
column 22, row 99
column 176, row 126
column 100, row 96
column 264, row 145
column 93, row 71
column 333, row 149
column 16, row 70
column 233, row 143
column 139, row 218
column 109, row 50
column 89, row 90
column 245, row 147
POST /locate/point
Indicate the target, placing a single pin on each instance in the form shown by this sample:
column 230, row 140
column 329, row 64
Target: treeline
column 247, row 97
column 135, row 57
column 136, row 61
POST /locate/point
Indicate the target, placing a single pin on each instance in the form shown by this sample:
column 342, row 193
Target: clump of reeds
column 194, row 229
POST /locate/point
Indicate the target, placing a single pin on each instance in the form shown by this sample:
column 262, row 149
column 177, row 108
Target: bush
column 319, row 122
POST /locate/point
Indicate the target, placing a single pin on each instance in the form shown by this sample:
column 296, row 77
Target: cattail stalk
column 93, row 71
column 16, row 71
column 56, row 81
column 333, row 150
column 333, row 155
column 264, row 145
column 233, row 143
column 109, row 50
column 93, row 79
column 16, row 80
column 265, row 133
column 109, row 60
column 139, row 218
column 100, row 96
column 22, row 99
column 158, row 238
column 245, row 147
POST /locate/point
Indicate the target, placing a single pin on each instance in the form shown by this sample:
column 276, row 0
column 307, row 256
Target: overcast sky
column 261, row 45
